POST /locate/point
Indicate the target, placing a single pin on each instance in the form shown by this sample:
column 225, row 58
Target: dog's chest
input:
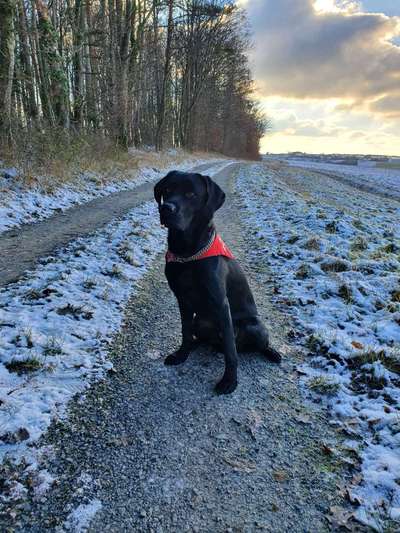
column 184, row 282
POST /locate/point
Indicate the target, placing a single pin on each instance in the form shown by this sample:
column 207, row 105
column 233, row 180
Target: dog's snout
column 169, row 207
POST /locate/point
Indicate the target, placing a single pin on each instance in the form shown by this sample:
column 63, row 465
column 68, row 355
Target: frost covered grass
column 56, row 324
column 335, row 257
column 24, row 199
column 382, row 178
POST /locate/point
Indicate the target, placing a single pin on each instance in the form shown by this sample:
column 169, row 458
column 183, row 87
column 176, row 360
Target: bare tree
column 154, row 72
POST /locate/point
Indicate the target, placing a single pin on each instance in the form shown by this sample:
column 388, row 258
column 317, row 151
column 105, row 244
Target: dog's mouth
column 168, row 221
column 173, row 222
column 165, row 220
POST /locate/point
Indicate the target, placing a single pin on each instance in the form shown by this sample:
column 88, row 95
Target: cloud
column 388, row 105
column 291, row 125
column 303, row 53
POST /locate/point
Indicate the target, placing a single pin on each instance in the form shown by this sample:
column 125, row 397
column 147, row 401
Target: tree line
column 141, row 72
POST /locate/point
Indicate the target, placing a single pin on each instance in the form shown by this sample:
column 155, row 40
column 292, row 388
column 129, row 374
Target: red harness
column 215, row 247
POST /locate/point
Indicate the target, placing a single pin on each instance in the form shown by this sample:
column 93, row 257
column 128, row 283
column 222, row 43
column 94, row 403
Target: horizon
column 370, row 154
column 327, row 74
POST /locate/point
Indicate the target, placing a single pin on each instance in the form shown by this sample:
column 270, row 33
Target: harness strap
column 214, row 247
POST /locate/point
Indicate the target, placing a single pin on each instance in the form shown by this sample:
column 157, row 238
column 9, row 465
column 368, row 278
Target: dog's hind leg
column 253, row 336
column 206, row 332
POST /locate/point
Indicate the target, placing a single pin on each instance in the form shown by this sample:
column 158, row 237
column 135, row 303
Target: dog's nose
column 169, row 207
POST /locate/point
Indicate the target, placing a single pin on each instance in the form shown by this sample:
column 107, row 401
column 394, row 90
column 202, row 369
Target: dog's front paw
column 176, row 358
column 226, row 386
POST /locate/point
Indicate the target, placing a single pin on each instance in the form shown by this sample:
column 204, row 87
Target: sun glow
column 324, row 5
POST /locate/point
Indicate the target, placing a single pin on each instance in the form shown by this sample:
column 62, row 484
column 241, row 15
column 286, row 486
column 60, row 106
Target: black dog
column 215, row 300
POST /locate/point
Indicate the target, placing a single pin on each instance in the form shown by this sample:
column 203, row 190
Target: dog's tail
column 272, row 355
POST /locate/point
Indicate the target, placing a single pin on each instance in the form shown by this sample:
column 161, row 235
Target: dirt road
column 22, row 248
column 155, row 450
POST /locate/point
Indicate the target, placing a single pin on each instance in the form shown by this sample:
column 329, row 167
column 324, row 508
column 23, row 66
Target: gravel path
column 21, row 248
column 162, row 453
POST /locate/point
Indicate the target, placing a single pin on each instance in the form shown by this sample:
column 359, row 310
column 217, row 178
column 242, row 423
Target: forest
column 156, row 73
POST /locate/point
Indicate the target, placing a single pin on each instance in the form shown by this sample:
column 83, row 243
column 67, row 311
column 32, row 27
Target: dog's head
column 184, row 198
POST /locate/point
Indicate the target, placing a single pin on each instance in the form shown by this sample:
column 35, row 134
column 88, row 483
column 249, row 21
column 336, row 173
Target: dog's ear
column 160, row 186
column 215, row 195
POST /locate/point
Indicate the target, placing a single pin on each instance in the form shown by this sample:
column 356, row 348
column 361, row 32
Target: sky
column 327, row 74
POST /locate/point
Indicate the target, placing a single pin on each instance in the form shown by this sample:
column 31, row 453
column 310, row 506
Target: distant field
column 383, row 179
column 389, row 165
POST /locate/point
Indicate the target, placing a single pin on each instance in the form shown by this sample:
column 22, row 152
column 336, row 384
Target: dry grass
column 334, row 265
column 391, row 360
column 293, row 239
column 53, row 347
column 359, row 244
column 331, row 227
column 23, row 367
column 314, row 243
column 303, row 272
column 323, row 385
column 346, row 293
column 54, row 158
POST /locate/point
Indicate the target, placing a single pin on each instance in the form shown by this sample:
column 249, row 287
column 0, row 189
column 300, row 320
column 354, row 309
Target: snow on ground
column 335, row 257
column 373, row 178
column 56, row 324
column 19, row 205
column 79, row 519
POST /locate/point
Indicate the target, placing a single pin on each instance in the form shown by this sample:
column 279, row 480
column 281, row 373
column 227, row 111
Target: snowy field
column 334, row 253
column 375, row 179
column 19, row 205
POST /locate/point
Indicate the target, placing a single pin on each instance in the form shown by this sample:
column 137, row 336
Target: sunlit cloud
column 332, row 58
column 333, row 6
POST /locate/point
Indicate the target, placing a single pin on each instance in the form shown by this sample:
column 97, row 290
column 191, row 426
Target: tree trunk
column 166, row 76
column 52, row 64
column 30, row 104
column 7, row 63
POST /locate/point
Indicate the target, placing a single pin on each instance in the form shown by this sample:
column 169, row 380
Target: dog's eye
column 167, row 191
column 190, row 195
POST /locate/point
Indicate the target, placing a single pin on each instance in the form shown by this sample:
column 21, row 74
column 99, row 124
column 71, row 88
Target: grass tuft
column 334, row 265
column 76, row 311
column 24, row 367
column 346, row 293
column 303, row 272
column 395, row 296
column 313, row 244
column 53, row 347
column 359, row 244
column 293, row 239
column 323, row 385
column 331, row 227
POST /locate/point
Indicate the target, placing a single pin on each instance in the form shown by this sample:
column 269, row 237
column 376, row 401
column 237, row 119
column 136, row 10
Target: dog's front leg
column 228, row 382
column 183, row 352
